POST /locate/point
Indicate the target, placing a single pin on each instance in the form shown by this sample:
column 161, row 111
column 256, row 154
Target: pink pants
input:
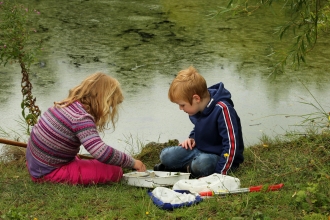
column 83, row 172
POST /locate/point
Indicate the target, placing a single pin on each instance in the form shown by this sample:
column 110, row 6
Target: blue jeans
column 194, row 161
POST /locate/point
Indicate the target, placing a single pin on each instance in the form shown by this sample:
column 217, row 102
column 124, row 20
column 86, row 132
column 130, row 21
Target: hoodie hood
column 218, row 93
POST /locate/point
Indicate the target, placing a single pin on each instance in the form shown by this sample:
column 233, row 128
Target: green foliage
column 308, row 20
column 13, row 214
column 17, row 46
column 16, row 43
column 312, row 199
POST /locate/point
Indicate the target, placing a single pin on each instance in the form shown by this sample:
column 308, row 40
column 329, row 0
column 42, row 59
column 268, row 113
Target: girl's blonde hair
column 100, row 95
column 187, row 83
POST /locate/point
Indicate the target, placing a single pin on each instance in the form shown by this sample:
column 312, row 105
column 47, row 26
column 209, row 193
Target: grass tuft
column 150, row 152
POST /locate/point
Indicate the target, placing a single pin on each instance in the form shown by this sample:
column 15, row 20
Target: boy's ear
column 197, row 98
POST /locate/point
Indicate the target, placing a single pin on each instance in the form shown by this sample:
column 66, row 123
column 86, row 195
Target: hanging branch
column 28, row 100
column 15, row 32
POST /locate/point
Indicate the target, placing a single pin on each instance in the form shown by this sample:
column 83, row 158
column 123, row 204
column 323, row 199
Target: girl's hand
column 188, row 143
column 139, row 166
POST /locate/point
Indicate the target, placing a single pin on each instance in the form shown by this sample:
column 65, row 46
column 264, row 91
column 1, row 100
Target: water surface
column 144, row 44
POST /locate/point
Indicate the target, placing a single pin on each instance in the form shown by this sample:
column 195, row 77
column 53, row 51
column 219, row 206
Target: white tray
column 152, row 179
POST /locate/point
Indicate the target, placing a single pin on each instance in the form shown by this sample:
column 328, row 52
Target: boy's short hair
column 187, row 83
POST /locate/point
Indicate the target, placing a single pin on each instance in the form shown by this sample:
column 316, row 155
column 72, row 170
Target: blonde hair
column 100, row 95
column 187, row 83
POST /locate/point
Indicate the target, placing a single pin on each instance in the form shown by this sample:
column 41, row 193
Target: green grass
column 301, row 163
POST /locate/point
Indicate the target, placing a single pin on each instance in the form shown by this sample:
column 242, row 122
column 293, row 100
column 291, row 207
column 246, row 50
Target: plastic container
column 152, row 179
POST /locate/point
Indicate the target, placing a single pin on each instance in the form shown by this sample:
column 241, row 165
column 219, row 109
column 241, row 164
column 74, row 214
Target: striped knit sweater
column 56, row 139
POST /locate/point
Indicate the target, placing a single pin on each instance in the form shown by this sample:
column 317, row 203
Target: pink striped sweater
column 56, row 139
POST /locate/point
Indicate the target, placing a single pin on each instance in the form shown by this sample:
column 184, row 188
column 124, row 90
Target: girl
column 55, row 140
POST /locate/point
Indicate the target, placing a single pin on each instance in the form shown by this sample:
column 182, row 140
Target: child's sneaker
column 159, row 167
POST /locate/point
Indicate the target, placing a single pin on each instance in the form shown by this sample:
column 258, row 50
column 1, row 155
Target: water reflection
column 144, row 44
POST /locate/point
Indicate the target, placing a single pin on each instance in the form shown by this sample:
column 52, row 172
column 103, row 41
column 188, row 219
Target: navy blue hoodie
column 218, row 129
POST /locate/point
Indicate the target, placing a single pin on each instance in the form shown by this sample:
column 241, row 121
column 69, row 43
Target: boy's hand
column 139, row 166
column 188, row 143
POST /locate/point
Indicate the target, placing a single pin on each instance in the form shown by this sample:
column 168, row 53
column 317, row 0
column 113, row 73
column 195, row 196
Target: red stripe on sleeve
column 231, row 137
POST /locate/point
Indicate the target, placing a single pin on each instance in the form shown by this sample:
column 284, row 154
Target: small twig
column 21, row 144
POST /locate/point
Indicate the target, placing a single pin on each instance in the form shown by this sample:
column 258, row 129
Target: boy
column 215, row 145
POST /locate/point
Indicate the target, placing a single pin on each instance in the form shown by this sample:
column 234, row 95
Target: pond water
column 144, row 44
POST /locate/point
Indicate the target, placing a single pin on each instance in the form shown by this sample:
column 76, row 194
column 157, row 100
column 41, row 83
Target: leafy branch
column 17, row 46
column 308, row 18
